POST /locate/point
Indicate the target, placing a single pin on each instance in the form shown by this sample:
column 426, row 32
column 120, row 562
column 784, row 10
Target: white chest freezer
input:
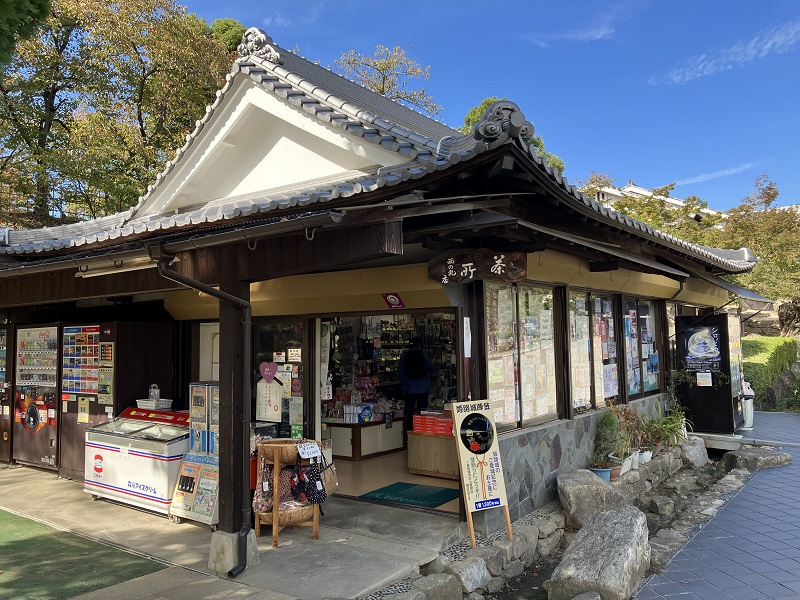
column 136, row 458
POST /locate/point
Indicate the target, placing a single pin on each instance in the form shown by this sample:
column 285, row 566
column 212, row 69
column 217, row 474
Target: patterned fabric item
column 315, row 490
column 262, row 499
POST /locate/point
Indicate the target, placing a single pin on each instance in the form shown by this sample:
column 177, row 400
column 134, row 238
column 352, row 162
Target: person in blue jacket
column 414, row 373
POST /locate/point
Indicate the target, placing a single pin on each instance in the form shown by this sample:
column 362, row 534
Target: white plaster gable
column 257, row 143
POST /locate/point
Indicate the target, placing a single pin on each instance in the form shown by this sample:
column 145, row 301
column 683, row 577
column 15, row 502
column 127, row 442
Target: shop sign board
column 197, row 490
column 479, row 460
column 463, row 266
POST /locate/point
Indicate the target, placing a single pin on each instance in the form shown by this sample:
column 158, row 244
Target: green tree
column 229, row 32
column 771, row 233
column 476, row 113
column 389, row 72
column 98, row 102
column 18, row 20
column 687, row 219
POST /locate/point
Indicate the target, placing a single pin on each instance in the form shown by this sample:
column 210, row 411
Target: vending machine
column 5, row 397
column 35, row 428
column 204, row 417
column 709, row 353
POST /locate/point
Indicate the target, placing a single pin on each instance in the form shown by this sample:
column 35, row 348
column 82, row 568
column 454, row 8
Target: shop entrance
column 375, row 365
column 342, row 383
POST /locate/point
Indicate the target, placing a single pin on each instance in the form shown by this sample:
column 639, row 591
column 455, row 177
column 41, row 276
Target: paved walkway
column 751, row 548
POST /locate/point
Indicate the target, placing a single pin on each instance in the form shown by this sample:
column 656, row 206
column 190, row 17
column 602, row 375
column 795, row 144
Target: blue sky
column 705, row 94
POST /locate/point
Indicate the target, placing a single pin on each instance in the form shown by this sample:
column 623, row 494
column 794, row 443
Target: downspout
column 163, row 260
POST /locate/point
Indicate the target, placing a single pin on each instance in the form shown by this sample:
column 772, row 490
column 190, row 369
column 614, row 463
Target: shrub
column 765, row 358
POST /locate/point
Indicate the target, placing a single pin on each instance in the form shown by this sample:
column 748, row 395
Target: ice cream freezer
column 136, row 458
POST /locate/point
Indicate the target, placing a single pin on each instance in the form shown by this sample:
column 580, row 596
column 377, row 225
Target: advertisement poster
column 479, row 456
column 268, row 401
column 197, row 490
column 702, row 351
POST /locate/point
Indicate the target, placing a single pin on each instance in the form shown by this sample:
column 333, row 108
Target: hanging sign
column 480, row 466
column 268, row 401
column 463, row 266
column 393, row 300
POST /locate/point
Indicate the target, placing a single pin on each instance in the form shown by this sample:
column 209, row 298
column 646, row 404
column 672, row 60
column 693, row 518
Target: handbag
column 263, row 498
column 328, row 474
column 315, row 489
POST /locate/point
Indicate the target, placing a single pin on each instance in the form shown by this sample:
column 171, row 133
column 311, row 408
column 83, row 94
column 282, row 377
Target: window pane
column 606, row 375
column 634, row 368
column 536, row 354
column 501, row 352
column 647, row 337
column 580, row 351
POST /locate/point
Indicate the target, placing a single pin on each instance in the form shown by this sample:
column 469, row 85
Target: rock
column 474, row 596
column 439, row 586
column 495, row 585
column 693, row 451
column 514, row 569
column 753, row 458
column 492, row 556
column 470, row 573
column 548, row 546
column 588, row 596
column 437, row 565
column 583, row 494
column 546, row 526
column 610, row 555
column 661, row 505
column 531, row 536
column 558, row 518
column 512, row 549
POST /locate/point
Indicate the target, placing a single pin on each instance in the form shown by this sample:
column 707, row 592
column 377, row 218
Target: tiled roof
column 426, row 144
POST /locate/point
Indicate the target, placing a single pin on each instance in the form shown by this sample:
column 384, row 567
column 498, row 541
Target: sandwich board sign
column 479, row 461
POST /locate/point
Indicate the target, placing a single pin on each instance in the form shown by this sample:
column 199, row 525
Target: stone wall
column 534, row 457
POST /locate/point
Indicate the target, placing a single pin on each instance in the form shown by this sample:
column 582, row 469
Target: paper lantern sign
column 268, row 370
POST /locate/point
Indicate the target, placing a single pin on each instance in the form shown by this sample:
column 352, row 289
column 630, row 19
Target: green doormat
column 41, row 563
column 428, row 496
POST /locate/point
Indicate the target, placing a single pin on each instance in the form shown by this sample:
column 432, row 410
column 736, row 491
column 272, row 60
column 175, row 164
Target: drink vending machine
column 5, row 397
column 35, row 429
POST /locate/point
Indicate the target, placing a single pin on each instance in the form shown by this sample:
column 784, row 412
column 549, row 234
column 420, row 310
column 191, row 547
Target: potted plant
column 600, row 465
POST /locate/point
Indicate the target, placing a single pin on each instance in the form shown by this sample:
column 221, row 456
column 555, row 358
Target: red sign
column 98, row 463
column 393, row 300
column 156, row 416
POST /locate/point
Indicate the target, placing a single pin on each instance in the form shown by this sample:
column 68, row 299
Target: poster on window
column 702, row 352
column 479, row 456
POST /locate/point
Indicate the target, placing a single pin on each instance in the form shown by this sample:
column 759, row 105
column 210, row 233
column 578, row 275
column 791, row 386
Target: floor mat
column 428, row 496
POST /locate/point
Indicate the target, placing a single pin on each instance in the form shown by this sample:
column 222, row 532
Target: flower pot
column 634, row 460
column 626, row 466
column 647, row 456
column 601, row 473
column 615, row 472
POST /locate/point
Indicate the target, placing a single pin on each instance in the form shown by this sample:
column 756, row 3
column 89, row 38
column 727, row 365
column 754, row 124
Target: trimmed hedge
column 764, row 358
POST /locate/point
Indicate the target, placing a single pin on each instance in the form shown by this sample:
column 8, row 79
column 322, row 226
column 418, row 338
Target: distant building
column 609, row 196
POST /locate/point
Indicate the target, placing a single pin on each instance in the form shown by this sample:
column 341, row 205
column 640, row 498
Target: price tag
column 308, row 450
column 265, row 485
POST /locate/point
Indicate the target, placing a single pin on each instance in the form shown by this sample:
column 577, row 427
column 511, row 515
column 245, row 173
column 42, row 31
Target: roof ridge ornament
column 503, row 121
column 255, row 42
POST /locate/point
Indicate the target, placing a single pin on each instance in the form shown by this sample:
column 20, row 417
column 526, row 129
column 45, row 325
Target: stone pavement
column 361, row 547
column 751, row 548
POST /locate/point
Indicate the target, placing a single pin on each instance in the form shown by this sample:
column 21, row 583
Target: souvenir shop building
column 309, row 220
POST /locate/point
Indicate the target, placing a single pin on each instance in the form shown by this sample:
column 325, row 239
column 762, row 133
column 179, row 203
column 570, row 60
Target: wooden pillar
column 231, row 405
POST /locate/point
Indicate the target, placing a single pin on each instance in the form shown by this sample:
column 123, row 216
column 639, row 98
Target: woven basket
column 289, row 517
column 285, row 448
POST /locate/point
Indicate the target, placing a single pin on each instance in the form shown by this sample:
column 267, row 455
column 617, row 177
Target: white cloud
column 775, row 41
column 277, row 20
column 716, row 174
column 598, row 27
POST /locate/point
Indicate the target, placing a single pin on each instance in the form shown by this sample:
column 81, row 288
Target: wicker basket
column 285, row 448
column 287, row 518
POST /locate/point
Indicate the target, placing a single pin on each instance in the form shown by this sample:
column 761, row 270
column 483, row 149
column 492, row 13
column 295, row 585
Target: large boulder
column 609, row 555
column 693, row 451
column 470, row 573
column 584, row 494
column 753, row 458
column 439, row 586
